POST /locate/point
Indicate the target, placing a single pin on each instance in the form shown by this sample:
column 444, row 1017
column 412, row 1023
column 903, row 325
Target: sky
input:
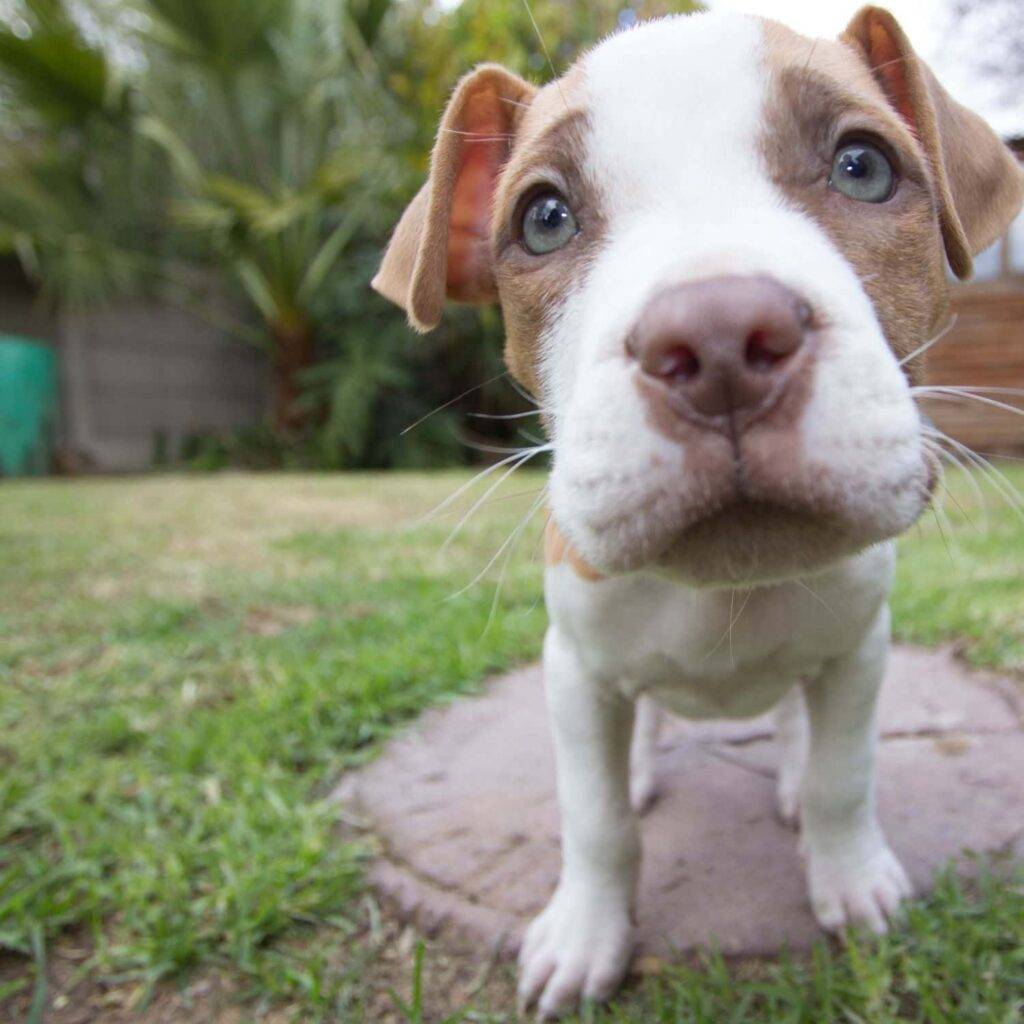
column 927, row 24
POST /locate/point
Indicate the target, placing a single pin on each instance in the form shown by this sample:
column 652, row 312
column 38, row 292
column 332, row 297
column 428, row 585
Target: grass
column 188, row 664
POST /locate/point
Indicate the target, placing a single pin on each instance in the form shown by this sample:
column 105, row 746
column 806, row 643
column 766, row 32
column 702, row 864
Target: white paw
column 865, row 889
column 787, row 799
column 643, row 791
column 577, row 948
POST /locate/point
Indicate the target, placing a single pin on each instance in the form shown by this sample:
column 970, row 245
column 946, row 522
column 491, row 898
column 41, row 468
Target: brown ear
column 980, row 185
column 442, row 245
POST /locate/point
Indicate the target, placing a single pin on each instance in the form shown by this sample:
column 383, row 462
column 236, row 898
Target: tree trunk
column 293, row 353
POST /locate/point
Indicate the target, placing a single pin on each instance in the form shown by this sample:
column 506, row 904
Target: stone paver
column 464, row 806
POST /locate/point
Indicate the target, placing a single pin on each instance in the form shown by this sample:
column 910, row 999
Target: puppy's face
column 718, row 248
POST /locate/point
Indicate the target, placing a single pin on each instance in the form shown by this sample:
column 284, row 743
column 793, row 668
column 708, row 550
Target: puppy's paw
column 643, row 790
column 787, row 799
column 578, row 948
column 864, row 890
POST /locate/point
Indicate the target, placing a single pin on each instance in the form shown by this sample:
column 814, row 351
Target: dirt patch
column 376, row 962
column 273, row 620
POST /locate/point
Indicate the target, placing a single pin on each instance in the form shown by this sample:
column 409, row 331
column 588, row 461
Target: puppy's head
column 718, row 247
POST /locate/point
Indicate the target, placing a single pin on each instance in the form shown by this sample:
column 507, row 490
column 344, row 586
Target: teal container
column 28, row 406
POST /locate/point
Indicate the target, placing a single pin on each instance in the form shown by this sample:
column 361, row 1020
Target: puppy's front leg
column 582, row 943
column 853, row 875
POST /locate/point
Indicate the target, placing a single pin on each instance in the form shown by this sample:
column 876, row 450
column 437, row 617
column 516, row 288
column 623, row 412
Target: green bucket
column 28, row 406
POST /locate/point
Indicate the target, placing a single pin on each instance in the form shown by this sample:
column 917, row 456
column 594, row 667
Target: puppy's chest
column 731, row 657
column 707, row 654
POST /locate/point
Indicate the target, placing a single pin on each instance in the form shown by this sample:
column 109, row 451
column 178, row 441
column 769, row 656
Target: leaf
column 224, row 36
column 258, row 289
column 330, row 252
column 55, row 73
column 182, row 158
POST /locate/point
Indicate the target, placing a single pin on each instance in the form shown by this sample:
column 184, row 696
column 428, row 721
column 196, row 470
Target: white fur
column 676, row 109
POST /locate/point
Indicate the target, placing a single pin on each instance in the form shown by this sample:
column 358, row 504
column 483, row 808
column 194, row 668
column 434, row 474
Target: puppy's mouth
column 757, row 525
column 757, row 541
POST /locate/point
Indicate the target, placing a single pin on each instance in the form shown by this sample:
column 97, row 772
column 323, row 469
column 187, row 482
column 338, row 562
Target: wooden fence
column 984, row 349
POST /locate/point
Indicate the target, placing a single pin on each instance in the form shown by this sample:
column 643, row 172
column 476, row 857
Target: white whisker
column 517, row 533
column 497, row 554
column 522, row 460
column 999, row 481
column 921, row 349
column 817, row 597
column 531, row 437
column 495, row 449
column 505, row 416
column 547, row 54
column 733, row 620
column 452, row 498
column 523, row 393
column 482, row 136
column 947, row 393
column 939, row 454
column 451, row 402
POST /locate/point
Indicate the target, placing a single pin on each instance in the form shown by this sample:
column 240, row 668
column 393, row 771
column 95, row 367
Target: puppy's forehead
column 672, row 98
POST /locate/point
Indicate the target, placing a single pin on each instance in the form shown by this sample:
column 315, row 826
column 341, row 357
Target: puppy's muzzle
column 722, row 351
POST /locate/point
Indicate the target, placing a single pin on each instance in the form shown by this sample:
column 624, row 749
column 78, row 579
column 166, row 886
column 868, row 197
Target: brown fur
column 557, row 550
column 979, row 185
column 550, row 151
column 821, row 92
column 442, row 245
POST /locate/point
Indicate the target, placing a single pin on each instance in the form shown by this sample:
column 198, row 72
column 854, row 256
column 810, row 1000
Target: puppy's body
column 716, row 653
column 719, row 249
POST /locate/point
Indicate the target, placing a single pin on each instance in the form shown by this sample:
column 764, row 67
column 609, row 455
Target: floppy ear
column 980, row 184
column 442, row 245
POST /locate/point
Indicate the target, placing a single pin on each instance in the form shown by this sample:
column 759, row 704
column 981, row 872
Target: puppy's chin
column 749, row 542
column 753, row 542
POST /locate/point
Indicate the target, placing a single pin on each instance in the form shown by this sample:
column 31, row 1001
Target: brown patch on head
column 441, row 248
column 870, row 84
column 978, row 184
column 500, row 140
column 550, row 152
column 557, row 550
column 820, row 93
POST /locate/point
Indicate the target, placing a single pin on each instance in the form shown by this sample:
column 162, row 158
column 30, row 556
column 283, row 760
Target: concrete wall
column 137, row 376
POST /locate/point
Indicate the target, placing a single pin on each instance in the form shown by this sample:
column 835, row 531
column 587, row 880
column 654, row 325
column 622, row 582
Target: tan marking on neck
column 557, row 550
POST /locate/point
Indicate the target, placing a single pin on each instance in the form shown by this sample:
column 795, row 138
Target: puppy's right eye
column 548, row 224
column 863, row 172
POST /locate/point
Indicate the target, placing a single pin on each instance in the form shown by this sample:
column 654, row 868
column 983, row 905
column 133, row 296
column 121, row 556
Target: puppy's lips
column 754, row 511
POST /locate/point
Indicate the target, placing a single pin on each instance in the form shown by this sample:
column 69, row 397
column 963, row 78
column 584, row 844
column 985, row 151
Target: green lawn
column 188, row 664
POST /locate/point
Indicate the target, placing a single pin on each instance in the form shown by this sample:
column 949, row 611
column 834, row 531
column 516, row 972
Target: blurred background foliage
column 150, row 144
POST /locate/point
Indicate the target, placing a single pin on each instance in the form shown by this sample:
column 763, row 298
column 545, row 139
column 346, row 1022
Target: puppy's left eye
column 548, row 224
column 862, row 171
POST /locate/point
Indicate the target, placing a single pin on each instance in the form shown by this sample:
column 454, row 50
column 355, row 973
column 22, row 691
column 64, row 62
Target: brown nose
column 723, row 345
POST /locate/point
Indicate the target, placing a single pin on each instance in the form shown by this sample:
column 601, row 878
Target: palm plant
column 79, row 196
column 266, row 110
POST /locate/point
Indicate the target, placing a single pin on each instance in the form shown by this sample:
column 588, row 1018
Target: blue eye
column 548, row 224
column 861, row 171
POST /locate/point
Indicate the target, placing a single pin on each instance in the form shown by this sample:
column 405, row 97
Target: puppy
column 720, row 250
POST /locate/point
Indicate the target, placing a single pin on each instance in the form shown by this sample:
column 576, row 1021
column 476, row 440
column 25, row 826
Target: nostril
column 762, row 352
column 679, row 362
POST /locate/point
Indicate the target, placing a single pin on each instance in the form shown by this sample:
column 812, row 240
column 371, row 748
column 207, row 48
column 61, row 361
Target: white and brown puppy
column 718, row 247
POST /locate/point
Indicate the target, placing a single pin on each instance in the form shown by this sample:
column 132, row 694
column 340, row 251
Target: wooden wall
column 141, row 377
column 985, row 348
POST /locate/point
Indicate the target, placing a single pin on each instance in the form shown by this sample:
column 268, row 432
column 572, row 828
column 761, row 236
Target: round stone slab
column 464, row 806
